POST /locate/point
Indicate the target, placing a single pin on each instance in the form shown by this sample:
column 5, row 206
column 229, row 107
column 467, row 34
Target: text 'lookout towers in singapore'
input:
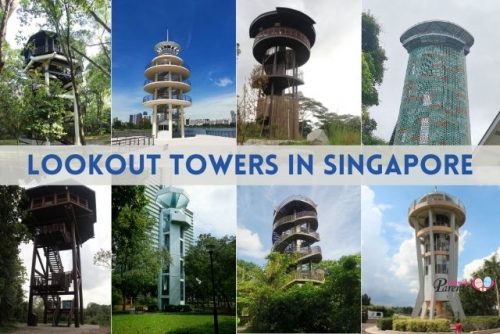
column 294, row 231
column 167, row 84
column 282, row 43
column 436, row 218
column 435, row 107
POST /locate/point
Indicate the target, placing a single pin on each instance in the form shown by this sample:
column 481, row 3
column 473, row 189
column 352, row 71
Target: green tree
column 7, row 8
column 198, row 277
column 372, row 66
column 492, row 268
column 136, row 263
column 12, row 233
column 365, row 300
column 475, row 302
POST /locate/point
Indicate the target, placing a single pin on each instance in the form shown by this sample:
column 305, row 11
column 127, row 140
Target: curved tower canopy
column 282, row 43
column 435, row 107
column 172, row 197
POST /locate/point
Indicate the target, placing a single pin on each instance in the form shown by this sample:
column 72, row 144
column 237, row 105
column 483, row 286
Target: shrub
column 421, row 325
column 480, row 323
column 399, row 324
column 384, row 324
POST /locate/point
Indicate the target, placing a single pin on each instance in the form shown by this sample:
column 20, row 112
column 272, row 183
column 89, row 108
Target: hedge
column 480, row 323
column 384, row 324
column 421, row 325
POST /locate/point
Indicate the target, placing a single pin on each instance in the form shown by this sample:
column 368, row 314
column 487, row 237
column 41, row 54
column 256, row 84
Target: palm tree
column 492, row 268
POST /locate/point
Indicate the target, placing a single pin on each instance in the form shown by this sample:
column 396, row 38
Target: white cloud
column 390, row 280
column 474, row 265
column 249, row 244
column 223, row 82
column 464, row 234
column 214, row 209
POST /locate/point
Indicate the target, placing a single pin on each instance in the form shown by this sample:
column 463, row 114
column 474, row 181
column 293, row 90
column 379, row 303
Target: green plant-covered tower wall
column 434, row 107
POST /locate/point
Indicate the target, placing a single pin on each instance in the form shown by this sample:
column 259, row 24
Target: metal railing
column 316, row 275
column 137, row 141
column 282, row 31
column 166, row 62
column 290, row 218
column 295, row 197
column 166, row 78
column 285, row 235
column 159, row 97
column 435, row 198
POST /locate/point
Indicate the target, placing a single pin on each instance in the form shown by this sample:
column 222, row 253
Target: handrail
column 436, row 198
column 306, row 250
column 182, row 98
column 317, row 275
column 137, row 140
column 288, row 233
column 290, row 218
column 282, row 31
column 166, row 62
column 166, row 78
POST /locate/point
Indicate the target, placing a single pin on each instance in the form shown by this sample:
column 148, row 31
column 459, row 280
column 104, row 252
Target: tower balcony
column 165, row 82
column 292, row 235
column 164, row 66
column 175, row 101
column 315, row 276
column 282, row 36
column 306, row 254
column 437, row 200
column 296, row 219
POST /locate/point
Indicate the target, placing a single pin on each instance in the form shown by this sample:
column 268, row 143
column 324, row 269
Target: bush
column 421, row 325
column 480, row 323
column 384, row 324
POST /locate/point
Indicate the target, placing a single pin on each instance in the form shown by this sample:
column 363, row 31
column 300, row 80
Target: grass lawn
column 161, row 323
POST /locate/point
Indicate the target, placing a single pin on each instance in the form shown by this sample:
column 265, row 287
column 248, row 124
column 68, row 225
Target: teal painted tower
column 434, row 107
column 175, row 233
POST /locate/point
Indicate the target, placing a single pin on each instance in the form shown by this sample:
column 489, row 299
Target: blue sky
column 338, row 215
column 206, row 31
column 388, row 248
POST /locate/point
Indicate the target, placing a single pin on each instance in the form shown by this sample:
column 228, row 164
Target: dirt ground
column 48, row 329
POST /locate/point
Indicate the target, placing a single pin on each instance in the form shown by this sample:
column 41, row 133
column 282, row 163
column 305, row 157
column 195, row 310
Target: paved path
column 48, row 329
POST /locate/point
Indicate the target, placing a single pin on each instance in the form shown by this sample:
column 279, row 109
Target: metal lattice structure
column 294, row 231
column 283, row 39
column 434, row 107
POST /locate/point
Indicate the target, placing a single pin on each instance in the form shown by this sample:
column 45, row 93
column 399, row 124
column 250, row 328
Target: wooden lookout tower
column 61, row 218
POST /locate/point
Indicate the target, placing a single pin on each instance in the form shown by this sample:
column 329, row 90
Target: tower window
column 424, row 130
column 426, row 100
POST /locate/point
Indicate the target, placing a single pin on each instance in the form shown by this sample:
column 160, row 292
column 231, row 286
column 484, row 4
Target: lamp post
column 216, row 322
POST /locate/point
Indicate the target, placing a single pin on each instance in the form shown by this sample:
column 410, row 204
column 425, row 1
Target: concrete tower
column 166, row 83
column 43, row 55
column 294, row 231
column 434, row 107
column 282, row 42
column 175, row 233
column 436, row 218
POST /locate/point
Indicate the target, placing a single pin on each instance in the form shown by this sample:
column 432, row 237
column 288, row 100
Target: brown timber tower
column 282, row 43
column 61, row 218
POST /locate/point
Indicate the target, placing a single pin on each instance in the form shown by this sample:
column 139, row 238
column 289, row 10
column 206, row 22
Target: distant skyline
column 477, row 17
column 389, row 258
column 338, row 219
column 206, row 32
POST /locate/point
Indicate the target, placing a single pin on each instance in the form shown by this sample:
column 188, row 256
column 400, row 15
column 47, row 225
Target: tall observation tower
column 434, row 107
column 282, row 42
column 44, row 56
column 436, row 218
column 167, row 85
column 175, row 234
column 294, row 231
